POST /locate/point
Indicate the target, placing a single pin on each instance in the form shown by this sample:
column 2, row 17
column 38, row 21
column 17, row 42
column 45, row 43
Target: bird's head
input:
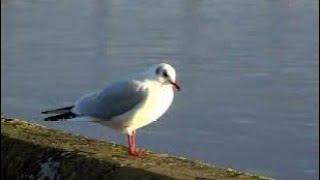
column 165, row 74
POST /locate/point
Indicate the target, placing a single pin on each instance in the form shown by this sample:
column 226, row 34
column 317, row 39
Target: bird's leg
column 134, row 140
column 133, row 143
column 133, row 146
column 137, row 151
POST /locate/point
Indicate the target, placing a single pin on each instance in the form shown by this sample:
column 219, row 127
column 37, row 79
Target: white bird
column 126, row 105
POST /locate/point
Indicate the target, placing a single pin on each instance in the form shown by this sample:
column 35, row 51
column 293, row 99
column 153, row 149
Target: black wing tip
column 61, row 117
column 59, row 110
column 51, row 118
column 45, row 112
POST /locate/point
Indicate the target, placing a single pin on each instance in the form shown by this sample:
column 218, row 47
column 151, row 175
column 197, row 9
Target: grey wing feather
column 114, row 100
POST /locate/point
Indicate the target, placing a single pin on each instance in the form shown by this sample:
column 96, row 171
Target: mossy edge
column 35, row 151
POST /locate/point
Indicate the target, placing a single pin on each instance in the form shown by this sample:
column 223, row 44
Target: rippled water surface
column 249, row 71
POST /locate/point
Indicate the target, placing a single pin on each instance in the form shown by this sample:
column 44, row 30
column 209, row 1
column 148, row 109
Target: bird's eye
column 165, row 74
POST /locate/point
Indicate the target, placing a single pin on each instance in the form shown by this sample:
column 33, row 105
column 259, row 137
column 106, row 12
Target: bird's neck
column 156, row 86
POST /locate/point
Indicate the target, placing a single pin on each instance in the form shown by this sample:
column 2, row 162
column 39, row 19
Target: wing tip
column 59, row 110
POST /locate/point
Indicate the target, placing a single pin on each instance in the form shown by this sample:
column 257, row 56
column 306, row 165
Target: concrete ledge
column 31, row 151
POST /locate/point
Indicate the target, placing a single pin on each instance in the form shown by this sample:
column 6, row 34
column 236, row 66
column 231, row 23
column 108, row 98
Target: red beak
column 176, row 85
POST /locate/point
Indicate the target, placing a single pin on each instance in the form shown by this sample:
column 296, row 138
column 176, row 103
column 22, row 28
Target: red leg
column 134, row 140
column 133, row 146
column 133, row 143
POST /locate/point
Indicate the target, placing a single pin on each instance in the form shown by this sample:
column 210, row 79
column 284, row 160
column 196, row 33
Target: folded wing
column 114, row 100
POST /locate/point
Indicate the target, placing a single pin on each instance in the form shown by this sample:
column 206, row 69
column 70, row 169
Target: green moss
column 38, row 152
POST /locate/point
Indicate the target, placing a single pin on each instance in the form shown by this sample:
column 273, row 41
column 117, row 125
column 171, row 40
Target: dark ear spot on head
column 165, row 74
column 158, row 70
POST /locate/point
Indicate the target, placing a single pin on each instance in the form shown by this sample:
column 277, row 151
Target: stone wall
column 31, row 151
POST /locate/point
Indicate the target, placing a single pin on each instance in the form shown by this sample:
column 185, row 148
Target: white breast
column 158, row 101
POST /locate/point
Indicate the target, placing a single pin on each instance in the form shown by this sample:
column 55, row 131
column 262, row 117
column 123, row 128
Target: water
column 249, row 71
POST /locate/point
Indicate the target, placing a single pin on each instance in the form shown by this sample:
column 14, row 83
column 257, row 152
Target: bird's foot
column 138, row 153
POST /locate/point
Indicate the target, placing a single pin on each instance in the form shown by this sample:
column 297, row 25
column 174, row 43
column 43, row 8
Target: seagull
column 126, row 105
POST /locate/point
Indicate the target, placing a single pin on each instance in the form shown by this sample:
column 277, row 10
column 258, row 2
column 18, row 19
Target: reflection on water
column 249, row 71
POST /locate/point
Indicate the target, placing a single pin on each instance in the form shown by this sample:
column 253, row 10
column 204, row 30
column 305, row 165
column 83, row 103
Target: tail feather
column 58, row 111
column 61, row 117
